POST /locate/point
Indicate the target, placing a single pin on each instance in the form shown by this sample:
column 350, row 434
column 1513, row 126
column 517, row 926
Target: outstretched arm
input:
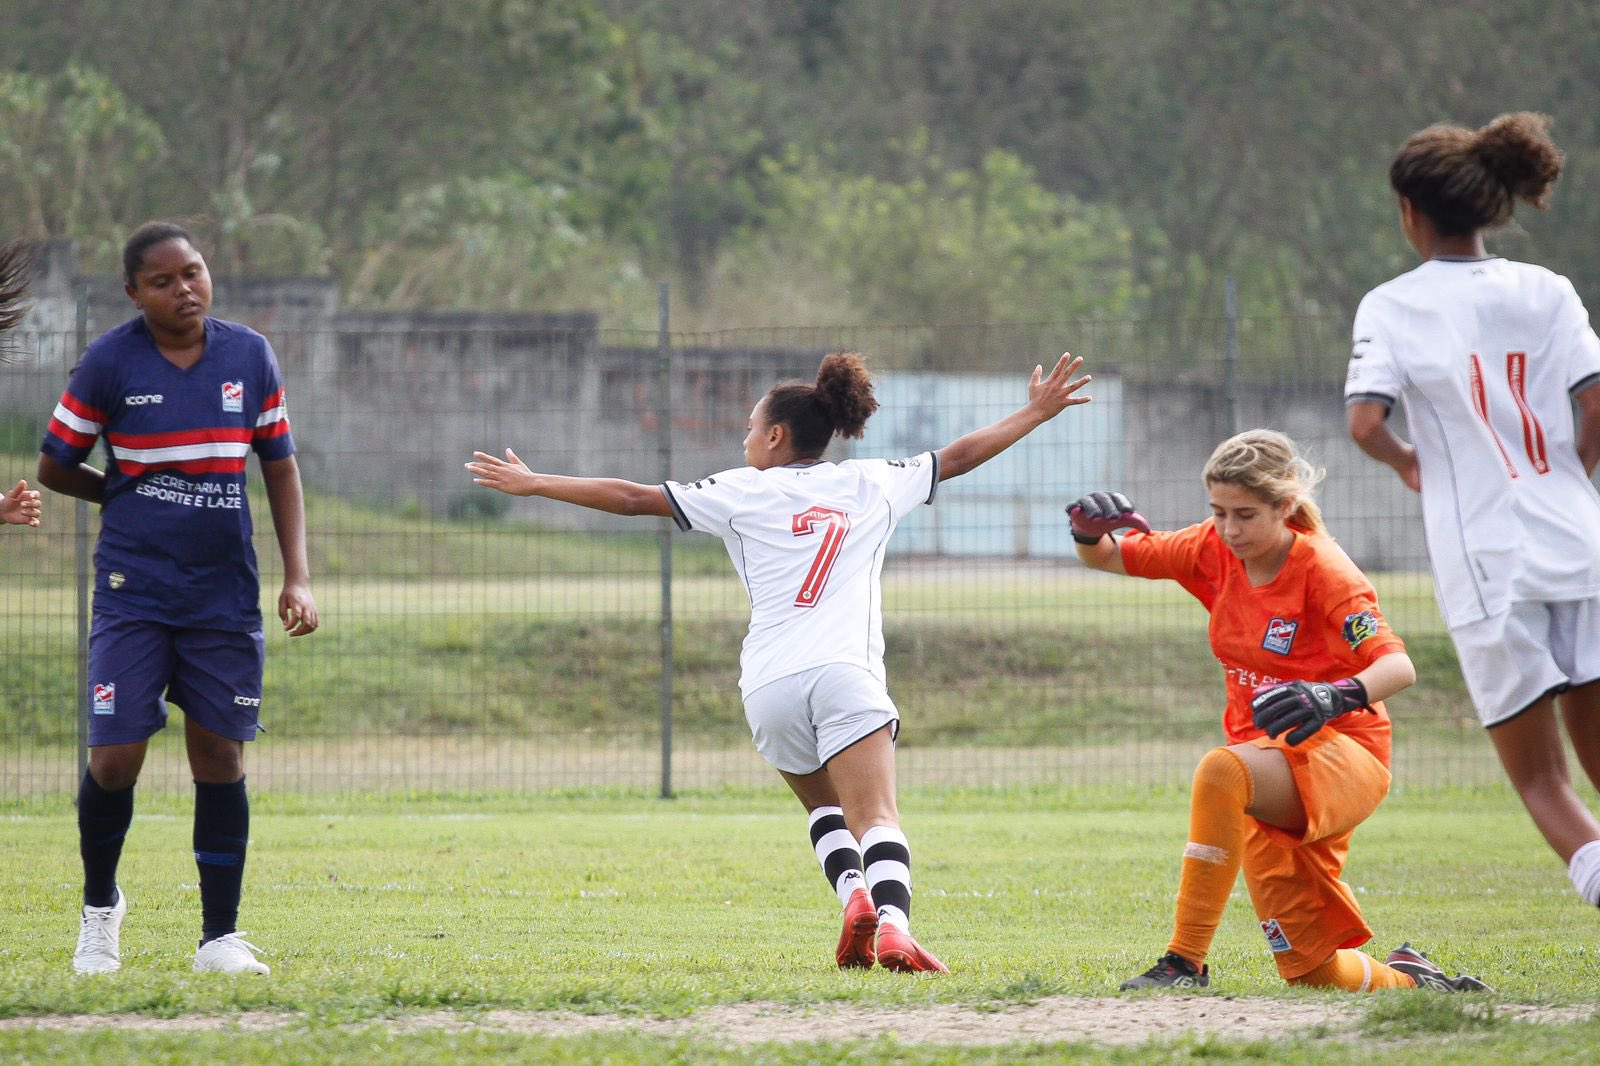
column 1097, row 515
column 20, row 506
column 1047, row 397
column 1369, row 428
column 614, row 495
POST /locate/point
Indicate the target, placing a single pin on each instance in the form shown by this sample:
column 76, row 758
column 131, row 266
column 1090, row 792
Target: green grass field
column 454, row 858
column 413, row 931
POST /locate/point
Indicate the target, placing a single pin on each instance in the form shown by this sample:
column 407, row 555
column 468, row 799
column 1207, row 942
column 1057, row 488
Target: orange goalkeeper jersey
column 1318, row 620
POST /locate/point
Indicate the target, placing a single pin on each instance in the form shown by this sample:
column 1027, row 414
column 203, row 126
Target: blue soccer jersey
column 175, row 524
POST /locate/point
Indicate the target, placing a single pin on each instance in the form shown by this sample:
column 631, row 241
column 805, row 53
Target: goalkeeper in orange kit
column 1309, row 660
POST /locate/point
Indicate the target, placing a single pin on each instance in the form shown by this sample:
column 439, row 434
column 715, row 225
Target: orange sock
column 1354, row 971
column 1222, row 790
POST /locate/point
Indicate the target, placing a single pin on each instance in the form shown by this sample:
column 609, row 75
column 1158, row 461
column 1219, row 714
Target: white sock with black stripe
column 1584, row 869
column 837, row 851
column 887, row 857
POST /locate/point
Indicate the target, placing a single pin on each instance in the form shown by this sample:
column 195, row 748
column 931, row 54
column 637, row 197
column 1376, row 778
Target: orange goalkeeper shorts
column 1306, row 911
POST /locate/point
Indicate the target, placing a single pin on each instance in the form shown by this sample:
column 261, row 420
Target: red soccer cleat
column 860, row 926
column 898, row 951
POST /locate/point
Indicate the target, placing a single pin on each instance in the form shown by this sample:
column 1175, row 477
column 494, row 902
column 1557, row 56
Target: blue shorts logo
column 1280, row 635
column 1274, row 934
column 105, row 698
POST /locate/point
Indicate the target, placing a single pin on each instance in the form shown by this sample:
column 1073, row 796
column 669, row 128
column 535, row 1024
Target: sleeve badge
column 1358, row 627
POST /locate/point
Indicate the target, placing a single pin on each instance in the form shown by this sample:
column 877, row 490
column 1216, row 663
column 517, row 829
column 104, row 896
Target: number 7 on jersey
column 834, row 525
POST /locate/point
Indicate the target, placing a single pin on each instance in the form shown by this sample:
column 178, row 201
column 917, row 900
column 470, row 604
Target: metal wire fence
column 474, row 642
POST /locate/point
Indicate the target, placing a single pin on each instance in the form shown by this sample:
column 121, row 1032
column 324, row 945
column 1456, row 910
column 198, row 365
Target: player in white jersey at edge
column 1489, row 358
column 807, row 538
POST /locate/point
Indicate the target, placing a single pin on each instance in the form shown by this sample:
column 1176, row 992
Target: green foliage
column 820, row 162
column 76, row 158
column 953, row 245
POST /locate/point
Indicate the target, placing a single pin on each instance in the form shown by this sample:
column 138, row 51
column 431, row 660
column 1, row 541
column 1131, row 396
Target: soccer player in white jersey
column 1489, row 358
column 807, row 538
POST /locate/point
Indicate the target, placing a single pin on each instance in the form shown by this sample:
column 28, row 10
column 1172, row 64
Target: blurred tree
column 55, row 135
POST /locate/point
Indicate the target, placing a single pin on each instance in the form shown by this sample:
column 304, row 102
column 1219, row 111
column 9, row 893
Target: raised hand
column 510, row 475
column 1095, row 514
column 1053, row 394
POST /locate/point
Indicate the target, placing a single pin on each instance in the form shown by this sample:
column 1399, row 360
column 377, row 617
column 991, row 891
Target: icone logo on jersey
column 143, row 399
column 233, row 396
column 1280, row 635
column 105, row 698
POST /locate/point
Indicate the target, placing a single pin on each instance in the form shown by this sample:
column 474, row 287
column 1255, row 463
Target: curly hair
column 839, row 402
column 1466, row 180
column 16, row 269
column 1267, row 463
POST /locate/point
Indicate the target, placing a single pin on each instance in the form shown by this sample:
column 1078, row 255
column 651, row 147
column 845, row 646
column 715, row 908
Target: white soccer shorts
column 1510, row 660
column 801, row 721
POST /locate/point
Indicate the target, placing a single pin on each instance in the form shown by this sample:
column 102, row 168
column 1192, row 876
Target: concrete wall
column 387, row 406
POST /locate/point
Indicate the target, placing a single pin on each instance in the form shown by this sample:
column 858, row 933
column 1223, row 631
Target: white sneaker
column 228, row 954
column 99, row 938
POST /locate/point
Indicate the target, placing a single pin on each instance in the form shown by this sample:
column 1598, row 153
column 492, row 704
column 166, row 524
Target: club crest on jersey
column 105, row 698
column 233, row 396
column 1358, row 627
column 1280, row 636
column 1274, row 934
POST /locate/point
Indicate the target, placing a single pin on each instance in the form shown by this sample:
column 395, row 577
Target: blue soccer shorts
column 137, row 666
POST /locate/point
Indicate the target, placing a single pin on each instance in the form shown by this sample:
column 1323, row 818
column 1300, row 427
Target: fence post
column 1230, row 355
column 664, row 445
column 81, row 569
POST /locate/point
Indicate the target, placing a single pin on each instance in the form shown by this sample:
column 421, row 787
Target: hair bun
column 1517, row 149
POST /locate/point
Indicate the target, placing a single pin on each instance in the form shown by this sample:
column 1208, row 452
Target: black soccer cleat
column 1417, row 966
column 1170, row 971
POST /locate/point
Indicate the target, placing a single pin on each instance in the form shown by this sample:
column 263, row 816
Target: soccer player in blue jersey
column 181, row 400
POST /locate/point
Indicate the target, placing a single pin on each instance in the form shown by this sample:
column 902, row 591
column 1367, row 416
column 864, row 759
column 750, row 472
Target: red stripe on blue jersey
column 179, row 438
column 71, row 436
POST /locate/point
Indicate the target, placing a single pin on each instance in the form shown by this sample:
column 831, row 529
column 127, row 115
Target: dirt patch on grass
column 1121, row 1021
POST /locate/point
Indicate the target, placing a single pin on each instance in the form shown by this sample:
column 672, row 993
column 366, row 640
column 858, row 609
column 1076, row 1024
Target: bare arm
column 1589, row 428
column 1392, row 673
column 82, row 482
column 613, row 495
column 297, row 608
column 1104, row 554
column 1369, row 428
column 1047, row 397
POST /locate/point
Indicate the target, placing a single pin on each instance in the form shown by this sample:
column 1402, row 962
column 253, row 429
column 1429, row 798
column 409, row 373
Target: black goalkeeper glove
column 1098, row 513
column 1304, row 706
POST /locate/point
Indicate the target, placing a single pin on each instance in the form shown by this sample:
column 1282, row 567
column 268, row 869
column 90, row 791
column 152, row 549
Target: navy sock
column 103, row 820
column 221, row 831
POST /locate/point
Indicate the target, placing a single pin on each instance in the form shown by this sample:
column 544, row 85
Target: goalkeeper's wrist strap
column 1354, row 694
column 1084, row 538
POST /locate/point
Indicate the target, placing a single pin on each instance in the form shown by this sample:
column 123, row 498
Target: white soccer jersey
column 1486, row 356
column 808, row 543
